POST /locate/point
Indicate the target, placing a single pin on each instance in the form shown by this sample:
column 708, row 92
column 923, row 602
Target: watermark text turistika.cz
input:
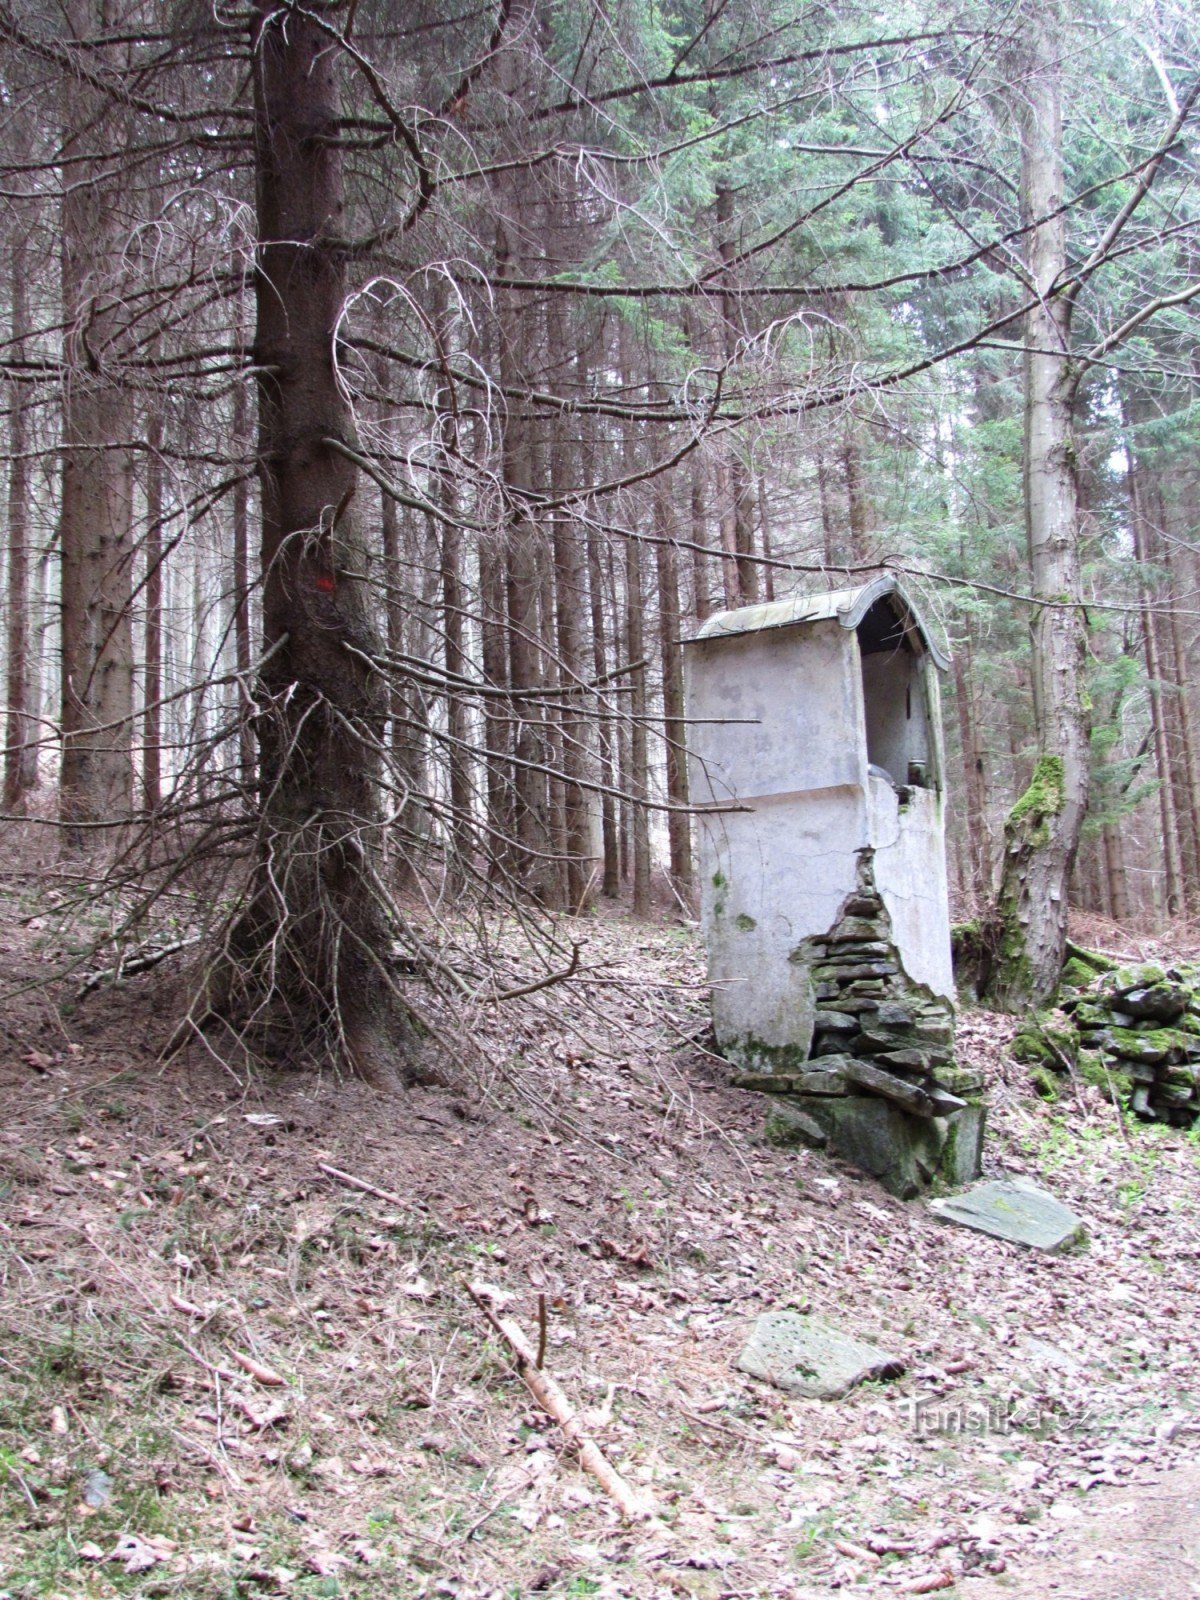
column 931, row 1416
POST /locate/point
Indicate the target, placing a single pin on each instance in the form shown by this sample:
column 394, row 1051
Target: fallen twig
column 555, row 1404
column 217, row 1371
column 141, row 961
column 551, row 978
column 23, row 1486
column 361, row 1184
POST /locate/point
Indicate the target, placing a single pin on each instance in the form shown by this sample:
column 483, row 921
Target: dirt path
column 1140, row 1542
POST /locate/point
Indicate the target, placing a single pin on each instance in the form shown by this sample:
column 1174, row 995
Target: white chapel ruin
column 816, row 765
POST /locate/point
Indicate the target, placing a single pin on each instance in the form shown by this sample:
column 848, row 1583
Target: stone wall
column 1133, row 1031
column 880, row 1085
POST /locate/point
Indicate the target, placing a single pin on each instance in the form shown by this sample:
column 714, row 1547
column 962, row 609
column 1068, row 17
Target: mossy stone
column 1149, row 1045
column 1095, row 1069
column 1181, row 1077
column 1046, row 1084
column 905, row 1153
column 1155, row 1002
column 856, row 930
column 1075, row 975
column 962, row 1151
column 1046, row 1042
column 959, row 1080
column 1094, row 1014
column 1091, row 959
column 789, row 1125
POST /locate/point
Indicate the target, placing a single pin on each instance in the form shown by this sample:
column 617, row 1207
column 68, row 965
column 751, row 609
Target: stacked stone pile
column 1135, row 1030
column 878, row 1036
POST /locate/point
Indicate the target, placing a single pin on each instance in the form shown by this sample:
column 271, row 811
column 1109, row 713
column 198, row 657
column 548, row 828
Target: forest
column 391, row 390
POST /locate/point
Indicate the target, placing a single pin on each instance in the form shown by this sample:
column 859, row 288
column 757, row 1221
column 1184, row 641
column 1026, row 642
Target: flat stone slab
column 1016, row 1210
column 809, row 1356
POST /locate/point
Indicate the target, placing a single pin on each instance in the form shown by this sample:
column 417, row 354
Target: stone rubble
column 1133, row 1031
column 877, row 1034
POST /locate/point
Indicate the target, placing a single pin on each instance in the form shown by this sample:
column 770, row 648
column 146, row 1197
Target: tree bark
column 1043, row 828
column 1116, row 879
column 96, row 513
column 768, row 545
column 858, row 505
column 534, row 866
column 639, row 765
column 610, row 880
column 1183, row 765
column 152, row 675
column 979, row 877
column 679, row 832
column 737, row 530
column 307, row 954
column 570, row 593
column 701, row 583
column 453, row 598
column 20, row 733
column 241, row 589
column 1173, row 894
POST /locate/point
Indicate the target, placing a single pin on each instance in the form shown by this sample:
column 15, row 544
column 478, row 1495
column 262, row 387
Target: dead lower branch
column 553, row 1401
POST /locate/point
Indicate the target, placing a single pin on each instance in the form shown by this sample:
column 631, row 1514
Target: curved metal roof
column 849, row 606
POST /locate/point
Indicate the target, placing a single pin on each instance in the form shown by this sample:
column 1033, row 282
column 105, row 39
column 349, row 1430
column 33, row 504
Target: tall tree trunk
column 498, row 726
column 620, row 619
column 731, row 582
column 152, row 674
column 401, row 714
column 737, row 530
column 679, row 831
column 1183, row 766
column 979, row 879
column 701, row 590
column 768, row 544
column 241, row 588
column 307, row 955
column 639, row 765
column 1042, row 830
column 1173, row 892
column 457, row 717
column 20, row 733
column 95, row 528
column 532, row 843
column 702, row 603
column 1116, row 880
column 828, row 535
column 610, row 881
column 858, row 504
column 570, row 594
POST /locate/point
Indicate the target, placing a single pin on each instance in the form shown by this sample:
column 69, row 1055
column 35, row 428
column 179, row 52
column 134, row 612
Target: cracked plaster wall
column 779, row 729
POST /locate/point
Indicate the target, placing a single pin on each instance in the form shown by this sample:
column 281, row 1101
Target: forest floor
column 169, row 1237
